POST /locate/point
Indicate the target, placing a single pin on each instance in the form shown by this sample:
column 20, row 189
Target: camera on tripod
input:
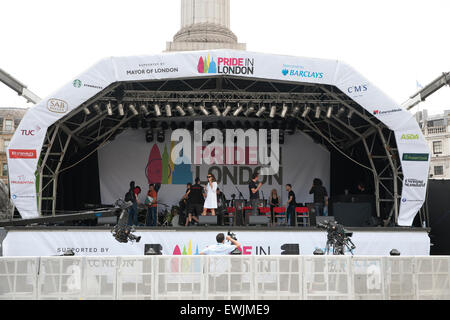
column 338, row 238
column 232, row 235
column 122, row 232
column 236, row 251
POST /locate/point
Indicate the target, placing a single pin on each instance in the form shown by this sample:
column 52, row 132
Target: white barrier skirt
column 102, row 243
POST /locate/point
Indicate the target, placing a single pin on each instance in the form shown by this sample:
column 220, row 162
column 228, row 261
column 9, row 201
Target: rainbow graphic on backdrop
column 207, row 65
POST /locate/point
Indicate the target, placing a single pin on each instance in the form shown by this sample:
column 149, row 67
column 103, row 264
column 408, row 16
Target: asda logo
column 410, row 137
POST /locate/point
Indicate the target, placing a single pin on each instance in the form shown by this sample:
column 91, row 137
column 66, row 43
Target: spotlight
column 97, row 109
column 180, row 110
column 109, row 109
column 281, row 137
column 216, row 110
column 161, row 136
column 168, row 110
column 191, row 110
column 318, row 252
column 350, row 114
column 238, row 110
column 394, row 253
column 295, row 112
column 144, row 110
column 203, row 110
column 273, row 111
column 133, row 109
column 121, row 110
column 284, row 111
column 87, row 111
column 305, row 113
column 341, row 111
column 157, row 110
column 261, row 111
column 318, row 112
column 226, row 111
column 329, row 112
column 249, row 111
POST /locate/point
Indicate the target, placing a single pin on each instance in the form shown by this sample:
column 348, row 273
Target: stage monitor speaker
column 322, row 219
column 207, row 220
column 258, row 220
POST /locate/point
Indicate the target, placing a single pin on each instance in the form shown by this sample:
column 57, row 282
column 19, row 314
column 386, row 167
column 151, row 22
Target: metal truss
column 346, row 131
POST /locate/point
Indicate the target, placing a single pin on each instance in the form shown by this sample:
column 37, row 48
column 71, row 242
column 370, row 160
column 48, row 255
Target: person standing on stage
column 221, row 206
column 195, row 202
column 133, row 211
column 152, row 207
column 254, row 186
column 211, row 196
column 274, row 202
column 320, row 196
column 291, row 205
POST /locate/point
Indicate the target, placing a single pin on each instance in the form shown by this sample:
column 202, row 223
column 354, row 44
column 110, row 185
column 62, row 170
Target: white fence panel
column 18, row 278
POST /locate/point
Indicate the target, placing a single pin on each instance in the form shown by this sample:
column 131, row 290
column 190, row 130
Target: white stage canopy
column 24, row 152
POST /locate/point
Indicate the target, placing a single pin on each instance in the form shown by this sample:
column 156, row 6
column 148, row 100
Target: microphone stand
column 241, row 196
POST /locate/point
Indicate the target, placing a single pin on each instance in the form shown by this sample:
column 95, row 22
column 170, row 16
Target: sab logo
column 57, row 106
column 358, row 89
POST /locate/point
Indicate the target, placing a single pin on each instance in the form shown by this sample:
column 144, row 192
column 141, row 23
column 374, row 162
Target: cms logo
column 28, row 133
column 358, row 89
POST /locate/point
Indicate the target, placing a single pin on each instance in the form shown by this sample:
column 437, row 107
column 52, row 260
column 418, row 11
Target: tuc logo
column 57, row 106
column 28, row 132
column 410, row 137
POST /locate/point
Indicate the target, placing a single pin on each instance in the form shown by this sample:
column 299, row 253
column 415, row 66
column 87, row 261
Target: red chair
column 303, row 213
column 280, row 212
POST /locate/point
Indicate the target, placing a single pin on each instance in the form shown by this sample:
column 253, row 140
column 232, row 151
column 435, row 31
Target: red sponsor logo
column 22, row 154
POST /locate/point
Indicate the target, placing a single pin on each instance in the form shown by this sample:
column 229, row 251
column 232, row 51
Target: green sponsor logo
column 77, row 83
column 410, row 137
column 416, row 156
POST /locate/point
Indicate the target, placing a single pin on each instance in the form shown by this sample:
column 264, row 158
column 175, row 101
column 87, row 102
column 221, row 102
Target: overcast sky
column 393, row 43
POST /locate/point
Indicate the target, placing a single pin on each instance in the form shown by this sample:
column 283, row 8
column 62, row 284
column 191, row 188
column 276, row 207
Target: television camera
column 123, row 232
column 338, row 238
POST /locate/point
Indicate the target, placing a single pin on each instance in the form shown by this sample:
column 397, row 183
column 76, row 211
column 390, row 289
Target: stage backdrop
column 129, row 157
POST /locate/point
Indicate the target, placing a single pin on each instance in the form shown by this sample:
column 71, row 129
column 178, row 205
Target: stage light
column 329, row 112
column 305, row 113
column 97, row 109
column 350, row 114
column 121, row 110
column 295, row 112
column 133, row 109
column 226, row 111
column 191, row 110
column 273, row 111
column 394, row 253
column 281, row 137
column 87, row 111
column 161, row 136
column 168, row 110
column 180, row 110
column 157, row 110
column 238, row 110
column 144, row 110
column 341, row 111
column 203, row 110
column 216, row 110
column 318, row 252
column 317, row 112
column 284, row 111
column 109, row 109
column 261, row 111
column 249, row 111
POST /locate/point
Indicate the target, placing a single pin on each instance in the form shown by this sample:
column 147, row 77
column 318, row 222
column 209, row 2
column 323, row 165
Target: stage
column 53, row 241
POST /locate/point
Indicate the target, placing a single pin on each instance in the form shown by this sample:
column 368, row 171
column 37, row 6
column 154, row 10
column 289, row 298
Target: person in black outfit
column 274, row 202
column 254, row 186
column 184, row 202
column 320, row 196
column 196, row 201
column 221, row 206
column 291, row 205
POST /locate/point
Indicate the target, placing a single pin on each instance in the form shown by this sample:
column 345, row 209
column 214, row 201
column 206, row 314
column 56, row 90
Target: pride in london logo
column 226, row 65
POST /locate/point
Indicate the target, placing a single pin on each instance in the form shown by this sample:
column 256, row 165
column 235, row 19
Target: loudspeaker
column 258, row 220
column 322, row 219
column 209, row 220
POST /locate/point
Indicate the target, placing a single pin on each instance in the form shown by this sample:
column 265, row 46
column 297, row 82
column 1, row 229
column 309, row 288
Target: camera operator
column 221, row 248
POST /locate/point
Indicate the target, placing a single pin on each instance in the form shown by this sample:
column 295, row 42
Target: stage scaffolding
column 347, row 127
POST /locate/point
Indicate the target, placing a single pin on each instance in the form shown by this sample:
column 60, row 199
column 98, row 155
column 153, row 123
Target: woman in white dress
column 211, row 196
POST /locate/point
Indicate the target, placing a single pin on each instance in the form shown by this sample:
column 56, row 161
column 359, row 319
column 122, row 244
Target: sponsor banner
column 101, row 243
column 22, row 154
column 420, row 157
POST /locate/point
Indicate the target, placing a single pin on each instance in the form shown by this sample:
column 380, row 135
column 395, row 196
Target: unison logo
column 237, row 147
